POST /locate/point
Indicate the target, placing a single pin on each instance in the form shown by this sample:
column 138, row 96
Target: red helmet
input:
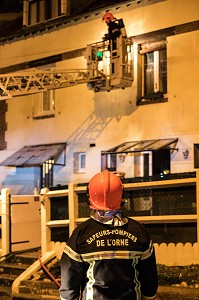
column 108, row 17
column 105, row 191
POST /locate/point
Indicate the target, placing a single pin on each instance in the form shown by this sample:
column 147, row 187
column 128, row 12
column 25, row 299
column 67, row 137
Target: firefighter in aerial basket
column 115, row 29
column 115, row 26
column 109, row 256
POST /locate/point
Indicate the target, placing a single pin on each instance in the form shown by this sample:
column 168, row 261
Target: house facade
column 74, row 132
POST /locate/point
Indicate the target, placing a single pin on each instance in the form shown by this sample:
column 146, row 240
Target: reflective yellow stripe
column 148, row 252
column 72, row 254
column 148, row 298
column 91, row 281
column 136, row 280
column 100, row 255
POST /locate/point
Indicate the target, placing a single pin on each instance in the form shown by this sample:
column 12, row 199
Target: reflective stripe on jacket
column 101, row 262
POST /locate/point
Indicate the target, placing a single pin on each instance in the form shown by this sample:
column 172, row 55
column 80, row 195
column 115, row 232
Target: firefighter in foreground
column 108, row 256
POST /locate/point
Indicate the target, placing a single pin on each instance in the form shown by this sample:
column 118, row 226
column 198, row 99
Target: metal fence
column 167, row 207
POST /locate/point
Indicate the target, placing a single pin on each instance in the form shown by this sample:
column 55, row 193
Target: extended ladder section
column 107, row 68
column 24, row 83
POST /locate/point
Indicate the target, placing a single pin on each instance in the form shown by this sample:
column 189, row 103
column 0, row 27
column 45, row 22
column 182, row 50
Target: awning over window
column 34, row 156
column 143, row 145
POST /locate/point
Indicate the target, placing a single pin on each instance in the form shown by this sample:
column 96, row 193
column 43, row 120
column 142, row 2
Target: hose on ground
column 48, row 272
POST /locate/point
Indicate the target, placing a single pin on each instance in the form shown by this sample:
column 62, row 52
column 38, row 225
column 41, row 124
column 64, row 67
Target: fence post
column 5, row 221
column 72, row 207
column 45, row 218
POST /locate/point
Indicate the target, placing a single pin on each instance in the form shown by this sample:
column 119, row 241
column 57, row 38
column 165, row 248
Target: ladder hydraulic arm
column 18, row 84
column 107, row 69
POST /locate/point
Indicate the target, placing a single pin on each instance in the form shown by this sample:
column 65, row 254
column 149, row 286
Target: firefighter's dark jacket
column 104, row 261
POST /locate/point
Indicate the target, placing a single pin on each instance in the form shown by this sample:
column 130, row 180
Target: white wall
column 107, row 119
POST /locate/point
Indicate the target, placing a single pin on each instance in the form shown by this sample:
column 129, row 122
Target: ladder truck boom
column 107, row 69
column 18, row 84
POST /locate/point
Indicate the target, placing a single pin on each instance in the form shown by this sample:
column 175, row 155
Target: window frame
column 38, row 11
column 157, row 72
column 78, row 157
column 47, row 172
column 39, row 110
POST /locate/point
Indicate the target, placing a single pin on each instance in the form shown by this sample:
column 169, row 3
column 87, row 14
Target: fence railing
column 167, row 253
column 5, row 221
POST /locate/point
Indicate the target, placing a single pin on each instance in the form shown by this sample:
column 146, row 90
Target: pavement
column 177, row 293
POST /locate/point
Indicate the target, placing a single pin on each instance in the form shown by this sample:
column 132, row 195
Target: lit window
column 79, row 162
column 152, row 76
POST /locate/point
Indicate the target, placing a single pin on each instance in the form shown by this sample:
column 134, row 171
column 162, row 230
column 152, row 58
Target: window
column 142, row 164
column 152, row 75
column 109, row 162
column 37, row 11
column 196, row 156
column 47, row 173
column 79, row 162
column 52, row 9
column 44, row 105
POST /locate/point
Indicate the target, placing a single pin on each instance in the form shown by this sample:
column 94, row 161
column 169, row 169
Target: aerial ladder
column 107, row 69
